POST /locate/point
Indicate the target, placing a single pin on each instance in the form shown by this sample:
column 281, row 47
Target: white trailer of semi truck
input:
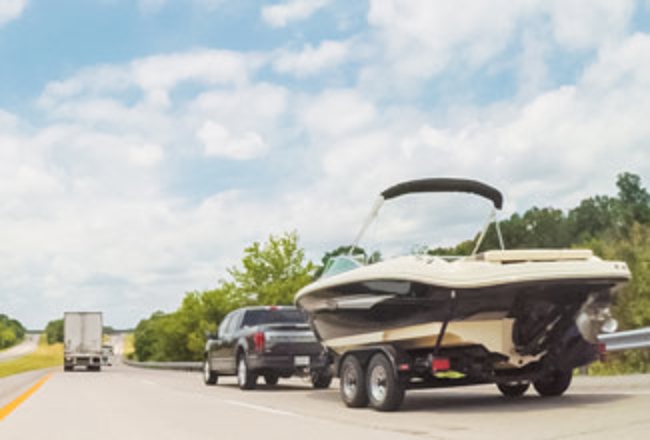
column 82, row 337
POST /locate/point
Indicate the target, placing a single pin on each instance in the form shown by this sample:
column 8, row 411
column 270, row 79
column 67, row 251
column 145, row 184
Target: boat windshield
column 340, row 264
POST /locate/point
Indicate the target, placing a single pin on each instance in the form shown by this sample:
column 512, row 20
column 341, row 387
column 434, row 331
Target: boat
column 519, row 307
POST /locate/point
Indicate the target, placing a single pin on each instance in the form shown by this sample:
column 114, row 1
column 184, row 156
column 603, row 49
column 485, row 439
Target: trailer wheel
column 513, row 389
column 353, row 383
column 385, row 390
column 553, row 384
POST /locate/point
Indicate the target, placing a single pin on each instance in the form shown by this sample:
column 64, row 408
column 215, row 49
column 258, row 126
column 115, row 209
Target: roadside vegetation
column 45, row 356
column 11, row 332
column 616, row 228
column 270, row 273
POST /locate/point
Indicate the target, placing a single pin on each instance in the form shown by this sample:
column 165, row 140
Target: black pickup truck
column 272, row 342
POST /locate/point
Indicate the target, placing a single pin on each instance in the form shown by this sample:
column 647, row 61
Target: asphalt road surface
column 134, row 404
column 27, row 346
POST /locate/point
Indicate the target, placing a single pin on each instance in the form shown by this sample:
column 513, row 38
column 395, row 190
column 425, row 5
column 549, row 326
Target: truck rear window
column 277, row 316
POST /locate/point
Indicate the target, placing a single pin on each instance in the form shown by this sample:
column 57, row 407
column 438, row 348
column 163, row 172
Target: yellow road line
column 4, row 412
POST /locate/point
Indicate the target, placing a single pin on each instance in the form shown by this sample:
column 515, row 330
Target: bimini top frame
column 439, row 185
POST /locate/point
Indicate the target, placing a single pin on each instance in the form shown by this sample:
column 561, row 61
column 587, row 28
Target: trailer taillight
column 259, row 341
column 440, row 364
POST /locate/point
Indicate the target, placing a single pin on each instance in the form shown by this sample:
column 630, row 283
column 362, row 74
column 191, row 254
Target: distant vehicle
column 107, row 355
column 271, row 342
column 82, row 337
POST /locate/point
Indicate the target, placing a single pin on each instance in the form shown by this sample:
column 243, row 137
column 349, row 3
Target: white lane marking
column 262, row 408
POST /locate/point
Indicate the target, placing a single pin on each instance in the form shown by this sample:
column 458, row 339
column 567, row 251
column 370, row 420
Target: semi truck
column 82, row 336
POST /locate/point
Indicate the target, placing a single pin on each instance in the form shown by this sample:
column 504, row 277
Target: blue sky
column 144, row 144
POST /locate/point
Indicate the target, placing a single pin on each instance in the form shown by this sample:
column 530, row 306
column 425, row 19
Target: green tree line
column 616, row 228
column 11, row 331
column 54, row 331
column 270, row 273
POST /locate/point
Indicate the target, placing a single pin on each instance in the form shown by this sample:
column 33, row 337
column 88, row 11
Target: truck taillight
column 440, row 364
column 259, row 340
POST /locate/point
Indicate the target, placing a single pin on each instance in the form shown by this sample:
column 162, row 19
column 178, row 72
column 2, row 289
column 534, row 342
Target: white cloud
column 580, row 24
column 281, row 14
column 11, row 10
column 156, row 76
column 422, row 38
column 146, row 155
column 219, row 142
column 337, row 112
column 235, row 109
column 7, row 120
column 328, row 55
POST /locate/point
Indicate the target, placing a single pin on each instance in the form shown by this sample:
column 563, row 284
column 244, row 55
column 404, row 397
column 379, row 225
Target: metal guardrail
column 178, row 366
column 627, row 340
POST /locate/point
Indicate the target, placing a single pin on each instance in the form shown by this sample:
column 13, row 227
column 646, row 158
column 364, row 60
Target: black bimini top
column 445, row 185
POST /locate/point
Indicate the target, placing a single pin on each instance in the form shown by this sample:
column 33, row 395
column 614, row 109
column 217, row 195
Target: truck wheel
column 321, row 379
column 210, row 377
column 271, row 378
column 513, row 389
column 245, row 378
column 68, row 368
column 353, row 383
column 385, row 390
column 553, row 384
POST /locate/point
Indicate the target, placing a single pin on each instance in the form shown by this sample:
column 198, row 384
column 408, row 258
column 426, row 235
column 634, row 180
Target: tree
column 272, row 272
column 634, row 200
column 593, row 217
column 11, row 331
column 54, row 331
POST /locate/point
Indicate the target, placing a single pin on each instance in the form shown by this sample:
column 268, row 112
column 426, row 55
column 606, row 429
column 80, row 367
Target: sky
column 145, row 143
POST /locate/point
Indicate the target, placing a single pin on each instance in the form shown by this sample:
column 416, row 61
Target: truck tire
column 68, row 368
column 385, row 390
column 513, row 389
column 210, row 377
column 554, row 383
column 271, row 378
column 353, row 383
column 246, row 379
column 321, row 379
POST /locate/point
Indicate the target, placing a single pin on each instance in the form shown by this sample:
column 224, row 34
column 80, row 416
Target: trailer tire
column 513, row 389
column 385, row 390
column 353, row 383
column 554, row 383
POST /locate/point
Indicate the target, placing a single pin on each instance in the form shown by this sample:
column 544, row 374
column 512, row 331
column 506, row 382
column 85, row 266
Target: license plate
column 301, row 361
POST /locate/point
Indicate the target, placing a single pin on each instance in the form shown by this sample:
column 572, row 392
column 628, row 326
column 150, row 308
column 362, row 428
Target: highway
column 27, row 346
column 132, row 404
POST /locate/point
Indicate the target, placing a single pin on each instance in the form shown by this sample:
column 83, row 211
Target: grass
column 129, row 348
column 45, row 356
